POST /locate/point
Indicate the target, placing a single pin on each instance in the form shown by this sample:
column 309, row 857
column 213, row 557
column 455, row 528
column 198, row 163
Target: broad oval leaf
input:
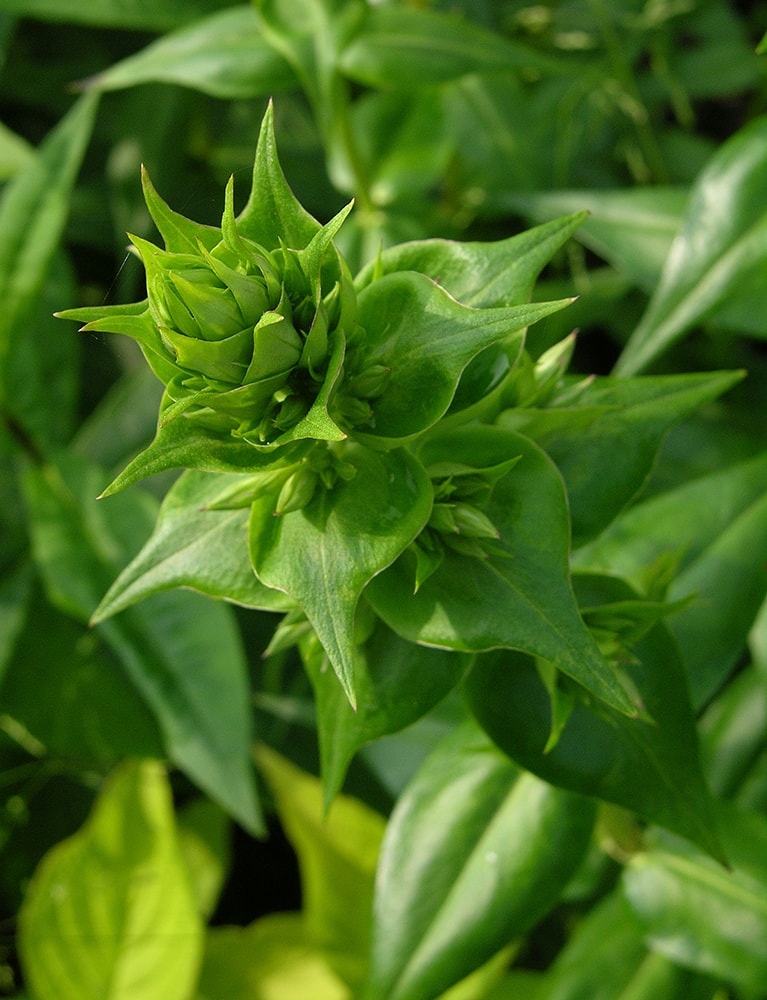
column 650, row 766
column 475, row 854
column 110, row 913
column 520, row 596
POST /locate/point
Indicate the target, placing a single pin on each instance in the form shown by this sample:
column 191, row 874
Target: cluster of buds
column 248, row 335
column 458, row 521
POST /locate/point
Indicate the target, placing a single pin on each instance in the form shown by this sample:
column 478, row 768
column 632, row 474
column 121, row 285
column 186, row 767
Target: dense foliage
column 384, row 562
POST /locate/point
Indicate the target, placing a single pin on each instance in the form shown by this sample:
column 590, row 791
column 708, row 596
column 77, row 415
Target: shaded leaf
column 476, row 852
column 109, row 914
column 144, row 15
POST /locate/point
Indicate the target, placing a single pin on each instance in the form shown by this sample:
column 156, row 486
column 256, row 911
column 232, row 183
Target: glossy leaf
column 406, row 47
column 337, row 854
column 606, row 464
column 722, row 241
column 520, row 596
column 722, row 558
column 223, row 55
column 475, row 854
column 480, row 275
column 193, row 547
column 110, row 914
column 385, row 667
column 427, row 339
column 323, row 555
column 649, row 765
column 182, row 652
column 33, row 211
column 273, row 957
column 702, row 915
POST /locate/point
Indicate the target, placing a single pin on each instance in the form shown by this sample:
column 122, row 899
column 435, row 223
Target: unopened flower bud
column 471, row 522
column 371, row 382
column 297, row 491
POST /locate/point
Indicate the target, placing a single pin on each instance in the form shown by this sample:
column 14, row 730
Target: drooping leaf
column 702, row 915
column 480, row 275
column 475, row 854
column 395, row 682
column 649, row 765
column 427, row 339
column 193, row 547
column 223, row 55
column 33, row 211
column 606, row 463
column 722, row 552
column 518, row 597
column 337, row 854
column 110, row 914
column 182, row 652
column 722, row 241
column 323, row 555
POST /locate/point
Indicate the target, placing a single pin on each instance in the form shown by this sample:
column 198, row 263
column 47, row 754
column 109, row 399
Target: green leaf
column 204, row 834
column 15, row 153
column 427, row 339
column 109, row 914
column 15, row 593
column 606, row 464
column 404, row 47
column 476, row 853
column 701, row 915
column 480, row 275
column 182, row 652
column 649, row 765
column 337, row 854
column 193, row 547
column 722, row 552
column 142, row 15
column 723, row 240
column 272, row 213
column 33, row 211
column 324, row 554
column 223, row 55
column 395, row 683
column 273, row 957
column 520, row 595
column 631, row 228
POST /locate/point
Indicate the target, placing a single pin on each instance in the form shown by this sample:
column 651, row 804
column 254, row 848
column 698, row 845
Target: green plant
column 510, row 708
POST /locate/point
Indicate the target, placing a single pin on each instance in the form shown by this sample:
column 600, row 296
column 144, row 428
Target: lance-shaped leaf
column 427, row 339
column 480, row 275
column 475, row 854
column 722, row 242
column 606, row 463
column 33, row 211
column 224, row 55
column 110, row 913
column 324, row 554
column 520, row 595
column 181, row 651
column 395, row 683
column 190, row 546
column 702, row 915
column 650, row 766
column 722, row 553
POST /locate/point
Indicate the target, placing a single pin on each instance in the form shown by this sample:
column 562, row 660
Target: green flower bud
column 471, row 522
column 297, row 491
column 370, row 383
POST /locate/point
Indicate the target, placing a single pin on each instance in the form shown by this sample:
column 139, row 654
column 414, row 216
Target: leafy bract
column 109, row 914
column 723, row 240
column 323, row 555
column 606, row 463
column 476, row 852
column 701, row 915
column 427, row 339
column 181, row 652
column 518, row 597
column 223, row 55
column 649, row 765
column 190, row 546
